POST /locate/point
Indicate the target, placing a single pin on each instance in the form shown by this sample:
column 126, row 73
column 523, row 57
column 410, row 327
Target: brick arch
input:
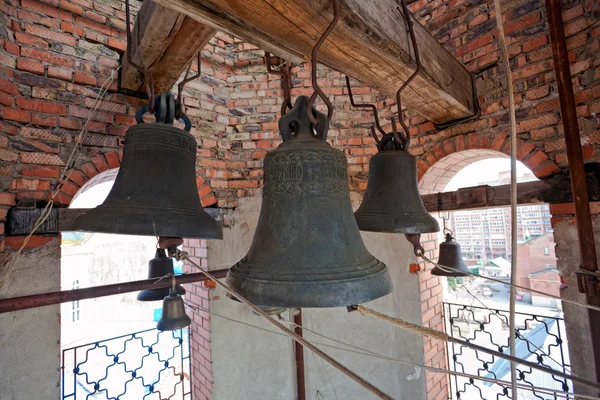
column 437, row 166
column 85, row 175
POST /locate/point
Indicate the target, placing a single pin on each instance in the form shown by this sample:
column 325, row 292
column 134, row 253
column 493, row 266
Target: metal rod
column 300, row 378
column 313, row 59
column 65, row 296
column 286, row 77
column 406, row 139
column 585, row 229
column 372, row 107
column 184, row 81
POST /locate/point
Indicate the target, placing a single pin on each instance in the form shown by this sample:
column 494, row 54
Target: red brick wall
column 55, row 55
column 468, row 30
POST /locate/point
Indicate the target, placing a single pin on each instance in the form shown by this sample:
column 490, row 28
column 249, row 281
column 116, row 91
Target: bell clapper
column 415, row 240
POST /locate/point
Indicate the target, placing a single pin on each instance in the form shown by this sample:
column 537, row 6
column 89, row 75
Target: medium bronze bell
column 155, row 192
column 392, row 202
column 160, row 266
column 307, row 250
column 451, row 257
column 173, row 313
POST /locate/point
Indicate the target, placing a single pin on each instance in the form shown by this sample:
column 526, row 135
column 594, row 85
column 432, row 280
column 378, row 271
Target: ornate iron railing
column 540, row 339
column 150, row 365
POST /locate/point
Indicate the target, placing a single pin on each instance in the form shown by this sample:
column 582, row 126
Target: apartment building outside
column 485, row 234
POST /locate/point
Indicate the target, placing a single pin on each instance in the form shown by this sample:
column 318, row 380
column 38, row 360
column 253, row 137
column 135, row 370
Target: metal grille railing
column 149, row 365
column 540, row 339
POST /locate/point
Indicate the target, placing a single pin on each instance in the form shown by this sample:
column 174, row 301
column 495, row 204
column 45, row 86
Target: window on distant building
column 546, row 251
column 548, row 266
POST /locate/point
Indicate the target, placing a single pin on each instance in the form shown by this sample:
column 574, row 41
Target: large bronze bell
column 173, row 313
column 307, row 250
column 160, row 266
column 451, row 256
column 155, row 192
column 392, row 202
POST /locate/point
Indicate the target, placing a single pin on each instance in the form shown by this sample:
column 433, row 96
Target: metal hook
column 146, row 73
column 286, row 76
column 447, row 231
column 365, row 105
column 409, row 22
column 174, row 283
column 182, row 84
column 315, row 85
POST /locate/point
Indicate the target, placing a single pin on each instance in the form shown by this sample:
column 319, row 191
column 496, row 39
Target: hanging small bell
column 307, row 250
column 451, row 257
column 155, row 192
column 173, row 313
column 392, row 202
column 160, row 266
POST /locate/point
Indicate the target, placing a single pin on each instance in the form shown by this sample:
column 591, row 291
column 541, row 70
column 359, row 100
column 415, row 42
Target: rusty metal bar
column 406, row 139
column 186, row 80
column 286, row 76
column 585, row 230
column 313, row 60
column 300, row 378
column 46, row 299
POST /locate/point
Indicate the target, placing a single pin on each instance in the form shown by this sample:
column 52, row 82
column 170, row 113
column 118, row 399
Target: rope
column 63, row 176
column 513, row 195
column 421, row 330
column 443, row 336
column 451, row 269
column 181, row 255
column 358, row 350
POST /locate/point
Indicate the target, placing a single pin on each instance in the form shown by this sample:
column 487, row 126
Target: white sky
column 484, row 170
column 92, row 197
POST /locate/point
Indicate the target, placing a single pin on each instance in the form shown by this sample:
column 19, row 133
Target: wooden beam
column 553, row 190
column 164, row 41
column 369, row 43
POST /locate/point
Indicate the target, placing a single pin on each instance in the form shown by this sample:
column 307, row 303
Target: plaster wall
column 576, row 318
column 252, row 364
column 30, row 339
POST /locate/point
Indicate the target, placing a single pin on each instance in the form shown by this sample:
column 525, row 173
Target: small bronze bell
column 173, row 313
column 158, row 267
column 392, row 202
column 307, row 250
column 155, row 192
column 451, row 257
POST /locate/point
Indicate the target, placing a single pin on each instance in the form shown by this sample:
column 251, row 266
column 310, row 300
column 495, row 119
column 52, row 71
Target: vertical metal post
column 585, row 229
column 299, row 350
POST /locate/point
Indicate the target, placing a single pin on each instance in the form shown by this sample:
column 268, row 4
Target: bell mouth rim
column 456, row 273
column 309, row 295
column 154, row 294
column 373, row 266
column 205, row 227
column 389, row 222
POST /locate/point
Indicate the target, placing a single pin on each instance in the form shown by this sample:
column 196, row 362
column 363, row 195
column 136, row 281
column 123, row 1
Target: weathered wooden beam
column 369, row 43
column 164, row 41
column 20, row 221
column 553, row 190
